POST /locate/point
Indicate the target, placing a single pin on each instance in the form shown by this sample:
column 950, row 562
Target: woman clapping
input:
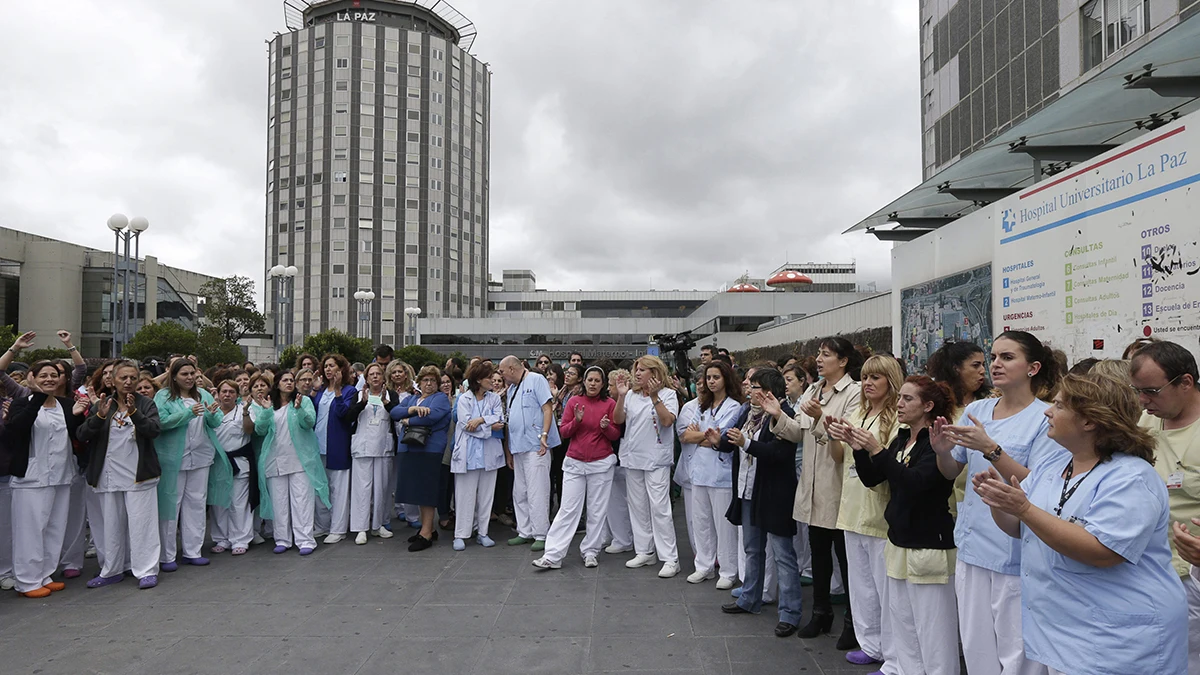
column 372, row 447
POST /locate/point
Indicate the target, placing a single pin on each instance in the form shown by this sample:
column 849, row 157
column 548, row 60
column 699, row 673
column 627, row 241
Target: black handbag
column 416, row 436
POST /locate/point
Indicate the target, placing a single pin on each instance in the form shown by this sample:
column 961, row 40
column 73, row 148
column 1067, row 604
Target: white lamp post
column 284, row 280
column 364, row 299
column 125, row 230
column 412, row 313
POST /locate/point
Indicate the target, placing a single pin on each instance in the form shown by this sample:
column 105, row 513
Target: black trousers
column 824, row 542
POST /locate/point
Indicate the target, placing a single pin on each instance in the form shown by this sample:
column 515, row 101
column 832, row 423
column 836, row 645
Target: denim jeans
column 755, row 541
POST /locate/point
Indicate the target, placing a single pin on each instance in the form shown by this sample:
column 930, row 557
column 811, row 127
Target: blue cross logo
column 1009, row 220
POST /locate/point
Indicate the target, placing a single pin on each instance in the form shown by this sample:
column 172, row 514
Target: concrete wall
column 48, row 268
column 872, row 312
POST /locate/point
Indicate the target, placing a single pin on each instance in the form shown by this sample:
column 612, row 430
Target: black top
column 918, row 514
column 94, row 431
column 774, row 493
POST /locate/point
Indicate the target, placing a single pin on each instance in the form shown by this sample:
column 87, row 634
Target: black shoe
column 847, row 640
column 434, row 538
column 820, row 624
column 784, row 629
column 733, row 608
column 414, row 538
column 420, row 544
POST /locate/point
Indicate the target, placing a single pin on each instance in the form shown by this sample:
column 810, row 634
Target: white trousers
column 95, row 520
column 714, row 538
column 474, row 492
column 75, row 535
column 6, row 544
column 370, row 503
column 804, row 554
column 989, row 620
column 769, row 588
column 233, row 527
column 292, row 498
column 339, row 501
column 926, row 623
column 685, row 492
column 1191, row 587
column 531, row 494
column 649, row 495
column 191, row 495
column 616, row 522
column 129, row 518
column 39, row 517
column 579, row 487
column 867, row 569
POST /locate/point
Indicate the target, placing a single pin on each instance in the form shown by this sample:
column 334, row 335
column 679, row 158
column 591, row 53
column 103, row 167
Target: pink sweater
column 589, row 443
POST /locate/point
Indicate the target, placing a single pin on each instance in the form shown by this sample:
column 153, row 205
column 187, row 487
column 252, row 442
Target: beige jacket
column 819, row 492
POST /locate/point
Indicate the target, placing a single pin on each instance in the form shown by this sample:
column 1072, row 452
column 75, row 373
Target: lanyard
column 1067, row 494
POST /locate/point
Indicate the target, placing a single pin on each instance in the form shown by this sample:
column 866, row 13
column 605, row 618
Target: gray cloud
column 677, row 143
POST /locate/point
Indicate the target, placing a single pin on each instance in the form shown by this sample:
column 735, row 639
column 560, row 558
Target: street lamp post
column 412, row 313
column 364, row 299
column 284, row 280
column 125, row 231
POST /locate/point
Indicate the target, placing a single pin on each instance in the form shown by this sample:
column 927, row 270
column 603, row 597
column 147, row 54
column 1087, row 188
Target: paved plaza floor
column 378, row 609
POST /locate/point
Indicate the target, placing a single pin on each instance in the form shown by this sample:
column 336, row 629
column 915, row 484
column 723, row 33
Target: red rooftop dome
column 788, row 278
column 744, row 288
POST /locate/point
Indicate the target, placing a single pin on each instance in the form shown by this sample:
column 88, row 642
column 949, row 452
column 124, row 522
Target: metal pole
column 289, row 284
column 137, row 252
column 278, row 325
column 125, row 296
column 112, row 310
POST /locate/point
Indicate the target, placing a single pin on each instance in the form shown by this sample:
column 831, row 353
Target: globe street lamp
column 284, row 286
column 412, row 313
column 364, row 299
column 125, row 230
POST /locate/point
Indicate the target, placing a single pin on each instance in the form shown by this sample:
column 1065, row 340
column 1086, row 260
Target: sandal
column 239, row 550
column 218, row 549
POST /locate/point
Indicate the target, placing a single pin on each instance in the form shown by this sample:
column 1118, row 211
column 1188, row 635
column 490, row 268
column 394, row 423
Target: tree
column 212, row 347
column 332, row 341
column 161, row 339
column 418, row 357
column 229, row 305
column 44, row 354
column 8, row 335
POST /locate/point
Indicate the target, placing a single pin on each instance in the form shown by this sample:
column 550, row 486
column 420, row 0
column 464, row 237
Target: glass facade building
column 377, row 168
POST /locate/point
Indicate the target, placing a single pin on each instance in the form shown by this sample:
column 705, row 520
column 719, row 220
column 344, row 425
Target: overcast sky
column 635, row 143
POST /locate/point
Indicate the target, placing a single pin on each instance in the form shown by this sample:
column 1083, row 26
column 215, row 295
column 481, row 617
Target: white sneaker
column 384, row 533
column 589, row 560
column 334, row 538
column 90, row 552
column 641, row 561
column 699, row 577
column 361, row 539
column 668, row 570
column 258, row 539
column 7, row 584
column 613, row 548
column 724, row 584
column 543, row 563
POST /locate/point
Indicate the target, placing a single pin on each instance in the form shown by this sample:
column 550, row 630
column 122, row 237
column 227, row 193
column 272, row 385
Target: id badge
column 1175, row 480
column 854, row 471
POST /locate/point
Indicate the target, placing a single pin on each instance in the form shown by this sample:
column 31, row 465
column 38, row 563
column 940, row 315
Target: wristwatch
column 994, row 454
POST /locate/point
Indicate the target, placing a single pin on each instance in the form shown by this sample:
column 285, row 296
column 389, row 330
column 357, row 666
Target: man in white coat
column 531, row 434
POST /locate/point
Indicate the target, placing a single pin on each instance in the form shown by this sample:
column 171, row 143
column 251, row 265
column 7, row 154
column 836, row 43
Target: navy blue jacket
column 337, row 432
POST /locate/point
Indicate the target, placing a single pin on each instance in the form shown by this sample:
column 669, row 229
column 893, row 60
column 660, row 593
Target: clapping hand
column 198, row 409
column 81, row 405
column 712, row 436
column 297, row 400
column 735, row 436
column 212, row 407
column 25, row 341
column 839, row 429
column 654, row 385
column 604, row 421
column 938, row 438
column 972, row 436
column 578, row 412
column 812, row 408
column 1007, row 497
column 104, row 405
column 1186, row 543
column 770, row 405
column 622, row 387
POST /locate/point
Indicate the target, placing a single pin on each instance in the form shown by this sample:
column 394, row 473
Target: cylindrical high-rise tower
column 377, row 163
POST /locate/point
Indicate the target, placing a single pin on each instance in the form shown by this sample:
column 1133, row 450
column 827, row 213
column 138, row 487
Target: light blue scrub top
column 525, row 415
column 710, row 468
column 1129, row 619
column 1023, row 436
column 321, row 428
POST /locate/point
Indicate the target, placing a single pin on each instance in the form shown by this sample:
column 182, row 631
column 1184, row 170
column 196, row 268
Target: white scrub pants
column 75, row 535
column 292, row 498
column 474, row 492
column 925, row 622
column 617, row 528
column 769, row 588
column 867, row 569
column 989, row 619
column 370, row 503
column 335, row 519
column 649, row 495
column 39, row 517
column 1191, row 586
column 581, row 482
column 233, row 527
column 531, row 494
column 714, row 538
column 191, row 493
column 129, row 518
column 685, row 491
column 6, row 544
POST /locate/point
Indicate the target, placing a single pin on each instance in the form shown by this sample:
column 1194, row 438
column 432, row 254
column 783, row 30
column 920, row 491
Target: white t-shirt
column 232, row 438
column 198, row 450
column 282, row 460
column 121, row 459
column 371, row 438
column 50, row 459
column 648, row 443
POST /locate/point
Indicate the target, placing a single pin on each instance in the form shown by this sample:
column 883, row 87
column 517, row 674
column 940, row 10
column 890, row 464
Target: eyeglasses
column 1155, row 391
column 755, row 387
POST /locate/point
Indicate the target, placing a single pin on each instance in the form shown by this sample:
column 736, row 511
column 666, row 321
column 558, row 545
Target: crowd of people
column 1039, row 520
